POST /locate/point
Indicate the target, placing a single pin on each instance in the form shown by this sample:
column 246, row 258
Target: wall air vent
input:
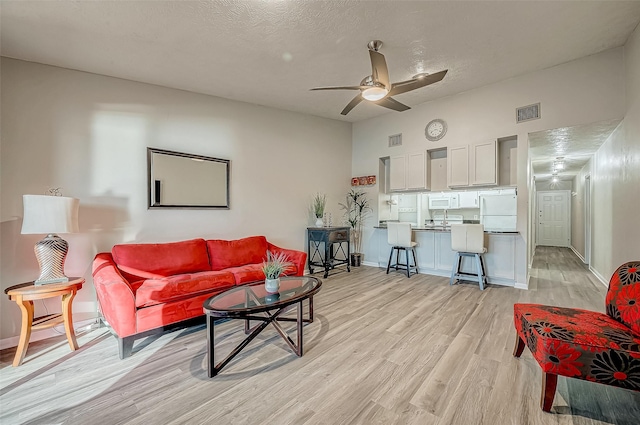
column 528, row 113
column 395, row 140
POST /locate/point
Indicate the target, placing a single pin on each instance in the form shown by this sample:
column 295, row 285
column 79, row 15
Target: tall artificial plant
column 357, row 208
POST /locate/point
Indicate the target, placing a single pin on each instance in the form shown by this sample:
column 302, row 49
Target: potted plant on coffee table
column 357, row 208
column 273, row 267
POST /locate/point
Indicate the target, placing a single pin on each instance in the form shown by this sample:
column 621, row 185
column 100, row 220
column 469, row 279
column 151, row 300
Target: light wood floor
column 383, row 350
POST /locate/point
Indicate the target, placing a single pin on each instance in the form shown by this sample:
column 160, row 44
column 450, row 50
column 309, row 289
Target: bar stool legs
column 480, row 276
column 403, row 266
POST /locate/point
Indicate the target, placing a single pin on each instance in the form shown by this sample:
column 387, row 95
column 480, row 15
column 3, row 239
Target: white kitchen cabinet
column 484, row 163
column 458, row 166
column 408, row 172
column 416, row 171
column 473, row 165
column 468, row 199
column 398, row 172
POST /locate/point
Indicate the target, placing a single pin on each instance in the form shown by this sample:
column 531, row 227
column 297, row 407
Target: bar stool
column 399, row 237
column 468, row 240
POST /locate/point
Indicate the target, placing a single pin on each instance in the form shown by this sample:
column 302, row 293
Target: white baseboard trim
column 370, row 263
column 604, row 281
column 45, row 333
column 520, row 285
column 578, row 254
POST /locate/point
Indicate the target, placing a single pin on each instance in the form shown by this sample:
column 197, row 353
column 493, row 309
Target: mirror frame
column 150, row 179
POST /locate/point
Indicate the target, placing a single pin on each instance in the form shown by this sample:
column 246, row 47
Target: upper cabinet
column 484, row 164
column 458, row 166
column 474, row 165
column 397, row 172
column 408, row 172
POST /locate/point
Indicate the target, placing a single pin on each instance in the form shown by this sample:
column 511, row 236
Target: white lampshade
column 45, row 214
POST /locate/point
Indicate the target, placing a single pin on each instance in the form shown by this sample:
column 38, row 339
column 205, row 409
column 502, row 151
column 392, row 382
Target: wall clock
column 435, row 130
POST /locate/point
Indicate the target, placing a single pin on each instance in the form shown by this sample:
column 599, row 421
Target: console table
column 324, row 244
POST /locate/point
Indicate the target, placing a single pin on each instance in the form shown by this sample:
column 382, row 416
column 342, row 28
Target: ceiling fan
column 378, row 89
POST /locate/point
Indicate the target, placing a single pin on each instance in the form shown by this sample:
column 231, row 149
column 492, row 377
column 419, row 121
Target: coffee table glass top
column 253, row 297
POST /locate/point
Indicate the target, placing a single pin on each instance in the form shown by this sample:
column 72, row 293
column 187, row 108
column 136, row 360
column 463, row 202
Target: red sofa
column 142, row 288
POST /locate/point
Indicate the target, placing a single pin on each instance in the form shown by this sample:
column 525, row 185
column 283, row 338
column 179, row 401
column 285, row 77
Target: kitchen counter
column 447, row 229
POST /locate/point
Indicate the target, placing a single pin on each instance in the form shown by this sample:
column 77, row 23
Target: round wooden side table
column 24, row 295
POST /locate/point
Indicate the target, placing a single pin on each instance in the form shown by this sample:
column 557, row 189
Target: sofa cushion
column 248, row 273
column 623, row 296
column 173, row 288
column 226, row 254
column 162, row 259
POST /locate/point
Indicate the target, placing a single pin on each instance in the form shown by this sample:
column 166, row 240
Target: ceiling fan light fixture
column 374, row 93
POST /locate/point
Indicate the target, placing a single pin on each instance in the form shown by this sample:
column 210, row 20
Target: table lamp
column 44, row 214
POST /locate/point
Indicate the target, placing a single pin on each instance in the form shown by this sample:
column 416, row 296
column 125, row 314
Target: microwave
column 446, row 201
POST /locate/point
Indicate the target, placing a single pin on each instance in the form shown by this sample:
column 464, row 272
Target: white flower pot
column 319, row 222
column 272, row 285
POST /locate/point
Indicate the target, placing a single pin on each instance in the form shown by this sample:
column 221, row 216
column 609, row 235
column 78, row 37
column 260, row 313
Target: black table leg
column 210, row 351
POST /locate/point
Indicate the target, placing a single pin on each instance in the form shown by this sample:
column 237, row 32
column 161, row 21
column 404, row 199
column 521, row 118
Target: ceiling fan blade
column 354, row 102
column 341, row 88
column 390, row 103
column 379, row 71
column 416, row 83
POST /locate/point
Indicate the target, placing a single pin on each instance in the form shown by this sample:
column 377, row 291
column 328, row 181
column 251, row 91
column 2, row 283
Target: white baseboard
column 604, row 281
column 520, row 285
column 45, row 333
column 578, row 254
column 370, row 263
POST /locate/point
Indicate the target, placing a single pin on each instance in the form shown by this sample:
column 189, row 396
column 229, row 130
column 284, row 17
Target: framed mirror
column 182, row 180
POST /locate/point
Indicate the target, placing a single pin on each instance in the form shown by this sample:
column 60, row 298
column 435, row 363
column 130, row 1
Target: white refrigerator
column 499, row 212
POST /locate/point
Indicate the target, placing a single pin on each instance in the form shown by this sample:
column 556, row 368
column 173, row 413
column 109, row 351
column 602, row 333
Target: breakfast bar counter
column 435, row 256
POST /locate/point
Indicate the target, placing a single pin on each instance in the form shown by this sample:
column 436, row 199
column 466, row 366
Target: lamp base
column 51, row 253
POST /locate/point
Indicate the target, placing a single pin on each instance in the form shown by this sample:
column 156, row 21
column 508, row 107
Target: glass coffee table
column 252, row 302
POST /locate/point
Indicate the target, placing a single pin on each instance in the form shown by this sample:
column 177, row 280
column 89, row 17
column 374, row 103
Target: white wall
column 616, row 179
column 583, row 91
column 88, row 134
column 578, row 220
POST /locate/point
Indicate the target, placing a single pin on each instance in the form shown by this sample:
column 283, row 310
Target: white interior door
column 554, row 218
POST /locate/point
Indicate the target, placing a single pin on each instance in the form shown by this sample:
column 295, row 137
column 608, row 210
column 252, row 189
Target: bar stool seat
column 468, row 241
column 399, row 237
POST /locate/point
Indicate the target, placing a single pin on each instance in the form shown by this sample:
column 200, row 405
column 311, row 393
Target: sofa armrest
column 117, row 300
column 298, row 258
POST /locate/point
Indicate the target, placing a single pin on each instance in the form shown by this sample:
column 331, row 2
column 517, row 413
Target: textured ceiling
column 574, row 145
column 271, row 52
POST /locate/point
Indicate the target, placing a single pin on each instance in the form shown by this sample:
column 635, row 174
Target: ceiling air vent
column 395, row 140
column 527, row 113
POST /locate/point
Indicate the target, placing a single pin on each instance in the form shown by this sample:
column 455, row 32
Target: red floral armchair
column 603, row 348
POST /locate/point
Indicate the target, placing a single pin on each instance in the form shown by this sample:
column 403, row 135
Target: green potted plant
column 357, row 208
column 273, row 267
column 319, row 203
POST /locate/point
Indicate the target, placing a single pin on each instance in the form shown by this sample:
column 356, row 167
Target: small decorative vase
column 319, row 222
column 272, row 285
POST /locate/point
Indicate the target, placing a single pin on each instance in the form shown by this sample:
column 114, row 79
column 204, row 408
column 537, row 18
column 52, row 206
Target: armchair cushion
column 623, row 296
column 580, row 344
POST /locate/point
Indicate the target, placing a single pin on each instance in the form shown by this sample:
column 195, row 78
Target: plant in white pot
column 357, row 208
column 273, row 267
column 318, row 206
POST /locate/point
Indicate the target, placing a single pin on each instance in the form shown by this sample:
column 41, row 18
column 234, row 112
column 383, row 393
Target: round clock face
column 435, row 130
